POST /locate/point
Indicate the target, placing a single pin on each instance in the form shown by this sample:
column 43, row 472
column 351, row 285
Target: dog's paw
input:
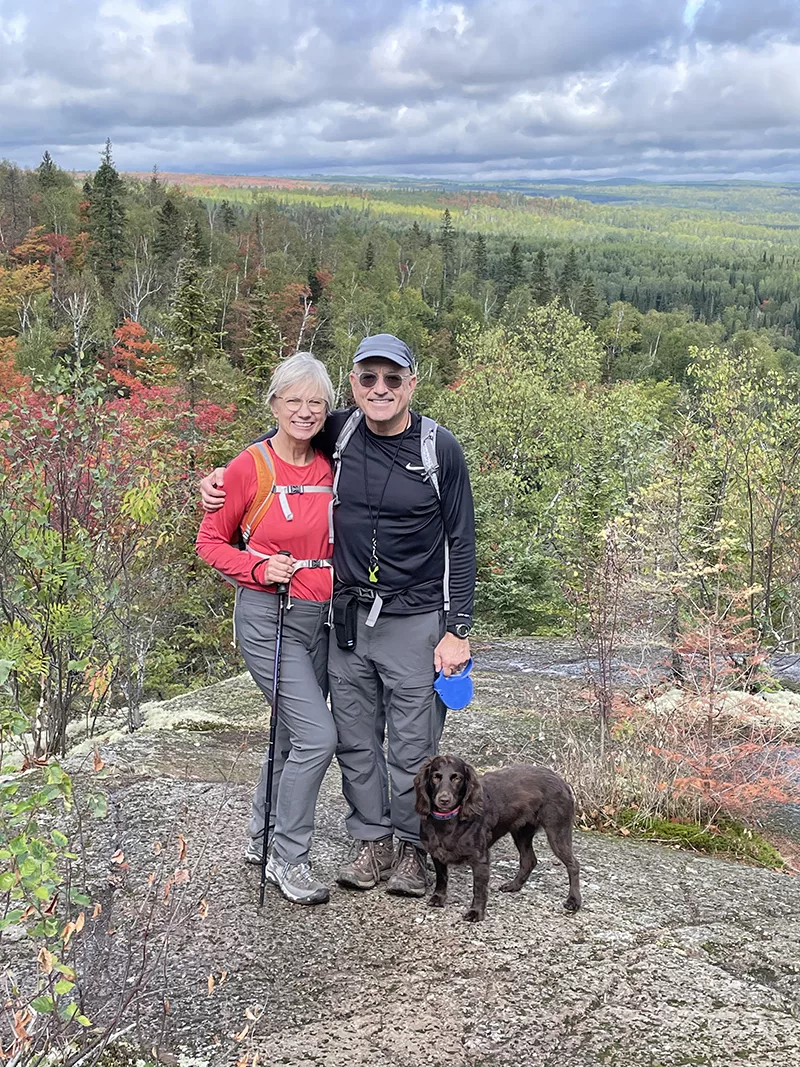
column 473, row 916
column 571, row 903
column 436, row 901
column 509, row 887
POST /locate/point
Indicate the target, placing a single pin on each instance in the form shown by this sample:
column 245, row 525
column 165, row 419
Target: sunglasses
column 368, row 378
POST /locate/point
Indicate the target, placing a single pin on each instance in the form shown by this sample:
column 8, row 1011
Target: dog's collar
column 443, row 815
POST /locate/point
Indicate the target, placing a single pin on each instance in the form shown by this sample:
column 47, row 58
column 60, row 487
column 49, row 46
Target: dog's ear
column 472, row 804
column 422, row 788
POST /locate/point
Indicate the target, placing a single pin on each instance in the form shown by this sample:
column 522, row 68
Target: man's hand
column 212, row 495
column 451, row 654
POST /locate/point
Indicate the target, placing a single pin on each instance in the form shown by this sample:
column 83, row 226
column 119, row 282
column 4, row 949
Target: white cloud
column 494, row 87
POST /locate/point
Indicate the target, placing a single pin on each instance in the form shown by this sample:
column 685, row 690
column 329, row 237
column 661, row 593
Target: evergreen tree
column 323, row 341
column 447, row 242
column 227, row 216
column 369, row 257
column 314, row 284
column 588, row 304
column 262, row 351
column 191, row 329
column 569, row 279
column 167, row 241
column 107, row 221
column 155, row 189
column 513, row 273
column 480, row 259
column 47, row 172
column 541, row 285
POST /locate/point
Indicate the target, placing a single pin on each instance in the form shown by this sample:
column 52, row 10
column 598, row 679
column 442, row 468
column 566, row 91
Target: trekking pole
column 281, row 591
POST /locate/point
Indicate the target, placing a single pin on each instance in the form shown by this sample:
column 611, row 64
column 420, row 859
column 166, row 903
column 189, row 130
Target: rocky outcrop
column 675, row 958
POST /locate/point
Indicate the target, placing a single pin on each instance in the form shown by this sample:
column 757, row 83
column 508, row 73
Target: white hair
column 301, row 369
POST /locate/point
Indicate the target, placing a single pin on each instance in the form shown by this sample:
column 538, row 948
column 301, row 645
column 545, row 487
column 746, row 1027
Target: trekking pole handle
column 283, row 588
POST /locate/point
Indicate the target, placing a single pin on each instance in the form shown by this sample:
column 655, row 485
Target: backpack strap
column 267, row 489
column 342, row 442
column 430, row 462
column 265, row 476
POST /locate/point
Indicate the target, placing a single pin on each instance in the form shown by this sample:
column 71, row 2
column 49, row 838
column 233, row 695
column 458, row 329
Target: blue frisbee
column 455, row 691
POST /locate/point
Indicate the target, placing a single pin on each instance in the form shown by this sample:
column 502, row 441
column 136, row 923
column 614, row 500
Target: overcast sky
column 478, row 89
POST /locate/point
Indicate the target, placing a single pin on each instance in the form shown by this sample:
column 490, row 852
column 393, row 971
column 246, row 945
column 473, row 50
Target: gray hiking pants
column 386, row 682
column 305, row 738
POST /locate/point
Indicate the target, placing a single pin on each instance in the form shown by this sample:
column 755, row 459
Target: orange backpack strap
column 265, row 475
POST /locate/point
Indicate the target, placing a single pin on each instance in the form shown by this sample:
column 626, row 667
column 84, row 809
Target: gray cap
column 385, row 346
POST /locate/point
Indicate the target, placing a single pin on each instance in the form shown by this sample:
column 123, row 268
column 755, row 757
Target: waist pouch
column 345, row 619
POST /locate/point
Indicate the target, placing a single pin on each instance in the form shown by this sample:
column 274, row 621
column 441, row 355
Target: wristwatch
column 460, row 629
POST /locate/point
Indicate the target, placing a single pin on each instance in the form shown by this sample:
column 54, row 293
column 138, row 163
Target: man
column 393, row 532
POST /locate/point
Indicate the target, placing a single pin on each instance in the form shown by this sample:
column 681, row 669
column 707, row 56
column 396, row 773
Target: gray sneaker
column 296, row 882
column 410, row 874
column 371, row 864
column 252, row 853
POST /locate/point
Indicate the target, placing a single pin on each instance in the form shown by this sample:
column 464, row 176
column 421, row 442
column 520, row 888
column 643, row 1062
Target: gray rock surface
column 675, row 958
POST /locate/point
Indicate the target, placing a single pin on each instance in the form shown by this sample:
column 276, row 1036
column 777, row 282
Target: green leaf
column 79, row 898
column 59, row 839
column 43, row 1004
column 7, row 880
column 62, row 986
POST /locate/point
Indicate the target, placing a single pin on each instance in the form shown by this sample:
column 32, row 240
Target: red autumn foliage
column 134, row 359
column 12, row 381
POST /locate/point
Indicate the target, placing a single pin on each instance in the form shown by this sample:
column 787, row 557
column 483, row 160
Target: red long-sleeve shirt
column 305, row 536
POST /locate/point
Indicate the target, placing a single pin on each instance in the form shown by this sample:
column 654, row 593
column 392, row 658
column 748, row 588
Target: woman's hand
column 277, row 570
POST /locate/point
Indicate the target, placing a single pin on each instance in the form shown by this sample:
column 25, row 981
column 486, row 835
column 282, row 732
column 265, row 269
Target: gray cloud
column 650, row 88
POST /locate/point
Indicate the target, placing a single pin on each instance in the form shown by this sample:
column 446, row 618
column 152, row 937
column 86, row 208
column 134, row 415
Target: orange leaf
column 118, row 857
column 242, row 1034
column 181, row 847
column 46, row 960
column 211, row 984
column 167, row 1010
column 97, row 760
column 20, row 1022
column 97, row 909
column 79, row 923
column 203, row 908
column 181, row 876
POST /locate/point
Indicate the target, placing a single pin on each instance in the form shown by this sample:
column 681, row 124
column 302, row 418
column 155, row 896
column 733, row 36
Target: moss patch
column 725, row 838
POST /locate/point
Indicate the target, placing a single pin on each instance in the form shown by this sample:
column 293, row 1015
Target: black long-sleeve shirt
column 412, row 522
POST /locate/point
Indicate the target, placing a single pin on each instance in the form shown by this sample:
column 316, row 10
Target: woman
column 300, row 396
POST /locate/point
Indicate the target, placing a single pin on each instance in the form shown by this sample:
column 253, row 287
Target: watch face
column 462, row 630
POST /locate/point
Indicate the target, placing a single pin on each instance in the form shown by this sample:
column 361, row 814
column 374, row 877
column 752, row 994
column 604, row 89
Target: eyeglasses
column 368, row 378
column 294, row 403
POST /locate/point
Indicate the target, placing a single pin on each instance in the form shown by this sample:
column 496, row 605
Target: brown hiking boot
column 410, row 874
column 371, row 864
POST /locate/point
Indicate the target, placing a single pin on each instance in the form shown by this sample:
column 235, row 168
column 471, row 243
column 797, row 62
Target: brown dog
column 462, row 815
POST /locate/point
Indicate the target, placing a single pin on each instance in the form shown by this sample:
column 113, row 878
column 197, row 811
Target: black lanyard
column 374, row 567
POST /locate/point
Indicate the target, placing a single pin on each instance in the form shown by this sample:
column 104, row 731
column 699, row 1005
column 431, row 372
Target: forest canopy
column 620, row 363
